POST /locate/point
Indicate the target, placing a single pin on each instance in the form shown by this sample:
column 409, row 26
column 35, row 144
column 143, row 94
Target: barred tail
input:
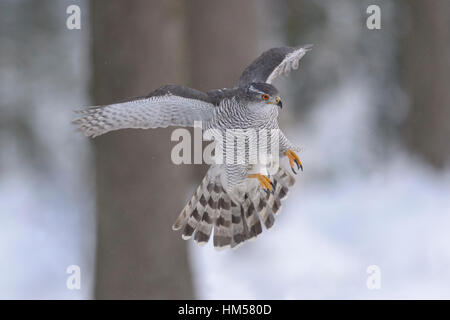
column 234, row 223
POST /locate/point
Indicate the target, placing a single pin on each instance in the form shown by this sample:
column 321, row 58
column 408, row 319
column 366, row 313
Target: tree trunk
column 426, row 77
column 137, row 47
column 223, row 40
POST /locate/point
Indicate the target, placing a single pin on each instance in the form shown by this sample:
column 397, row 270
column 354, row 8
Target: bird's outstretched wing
column 273, row 63
column 171, row 105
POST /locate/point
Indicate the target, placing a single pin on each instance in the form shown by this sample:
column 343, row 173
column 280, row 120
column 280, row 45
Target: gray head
column 263, row 92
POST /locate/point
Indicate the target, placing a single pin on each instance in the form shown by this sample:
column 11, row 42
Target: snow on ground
column 40, row 233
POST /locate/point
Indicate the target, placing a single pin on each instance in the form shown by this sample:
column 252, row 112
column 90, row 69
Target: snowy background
column 46, row 193
column 363, row 199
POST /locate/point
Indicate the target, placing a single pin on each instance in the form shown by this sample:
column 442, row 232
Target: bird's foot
column 265, row 182
column 294, row 160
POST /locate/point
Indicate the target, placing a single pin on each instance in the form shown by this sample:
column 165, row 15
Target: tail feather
column 263, row 210
column 191, row 224
column 285, row 178
column 205, row 226
column 223, row 227
column 238, row 226
column 189, row 208
column 234, row 222
column 252, row 218
column 195, row 217
column 245, row 229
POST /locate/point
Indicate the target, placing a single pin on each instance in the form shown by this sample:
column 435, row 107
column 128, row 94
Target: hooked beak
column 279, row 103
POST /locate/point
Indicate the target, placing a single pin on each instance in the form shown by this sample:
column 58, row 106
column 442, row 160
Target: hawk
column 233, row 198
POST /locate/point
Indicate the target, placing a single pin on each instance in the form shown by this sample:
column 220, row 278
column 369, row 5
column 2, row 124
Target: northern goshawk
column 233, row 198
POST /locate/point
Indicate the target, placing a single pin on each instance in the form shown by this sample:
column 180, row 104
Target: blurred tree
column 219, row 49
column 223, row 39
column 138, row 46
column 425, row 74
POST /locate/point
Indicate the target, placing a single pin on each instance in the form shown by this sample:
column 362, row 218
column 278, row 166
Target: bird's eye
column 265, row 97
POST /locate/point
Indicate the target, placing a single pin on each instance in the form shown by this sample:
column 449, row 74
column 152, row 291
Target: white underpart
column 267, row 165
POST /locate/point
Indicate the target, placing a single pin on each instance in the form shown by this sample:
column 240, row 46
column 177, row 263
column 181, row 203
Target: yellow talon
column 263, row 180
column 293, row 160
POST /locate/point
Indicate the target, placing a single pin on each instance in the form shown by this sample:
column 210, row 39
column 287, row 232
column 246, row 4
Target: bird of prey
column 232, row 198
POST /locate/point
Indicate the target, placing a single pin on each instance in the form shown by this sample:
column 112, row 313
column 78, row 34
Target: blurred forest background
column 371, row 109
